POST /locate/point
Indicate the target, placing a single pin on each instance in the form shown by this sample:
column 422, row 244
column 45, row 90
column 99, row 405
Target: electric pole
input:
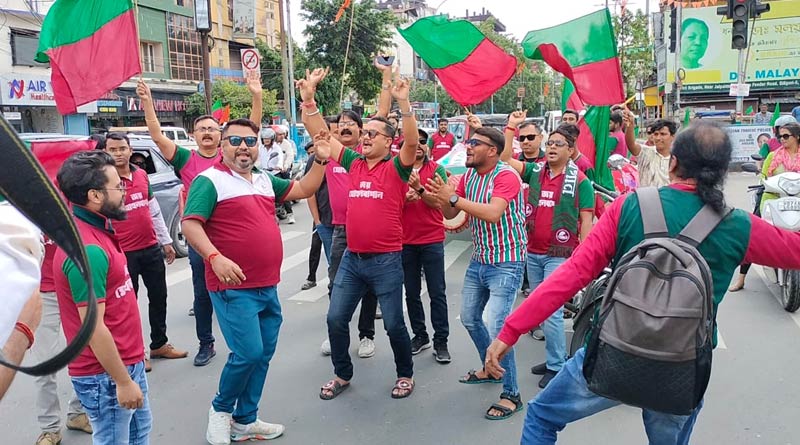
column 287, row 102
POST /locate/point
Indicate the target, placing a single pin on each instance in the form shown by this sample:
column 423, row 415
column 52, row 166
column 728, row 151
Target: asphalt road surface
column 752, row 398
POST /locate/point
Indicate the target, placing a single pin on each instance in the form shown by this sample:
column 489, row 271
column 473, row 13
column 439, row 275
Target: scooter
column 783, row 212
column 626, row 175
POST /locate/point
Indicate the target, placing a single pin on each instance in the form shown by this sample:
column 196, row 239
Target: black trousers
column 149, row 264
column 369, row 302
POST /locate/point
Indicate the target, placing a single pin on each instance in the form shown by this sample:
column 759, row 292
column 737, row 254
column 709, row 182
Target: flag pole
column 346, row 55
column 138, row 39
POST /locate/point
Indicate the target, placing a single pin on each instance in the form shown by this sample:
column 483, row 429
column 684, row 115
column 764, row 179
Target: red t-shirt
column 112, row 286
column 583, row 163
column 338, row 187
column 622, row 146
column 190, row 163
column 423, row 224
column 441, row 145
column 47, row 284
column 137, row 231
column 375, row 203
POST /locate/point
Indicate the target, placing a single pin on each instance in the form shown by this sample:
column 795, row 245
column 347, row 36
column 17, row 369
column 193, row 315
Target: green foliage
column 231, row 93
column 635, row 48
column 327, row 45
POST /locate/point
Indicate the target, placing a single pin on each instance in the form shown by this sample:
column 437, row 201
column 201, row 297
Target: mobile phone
column 384, row 60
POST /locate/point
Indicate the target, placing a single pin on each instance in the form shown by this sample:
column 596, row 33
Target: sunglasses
column 529, row 137
column 475, row 142
column 373, row 133
column 558, row 144
column 236, row 141
column 785, row 137
column 423, row 141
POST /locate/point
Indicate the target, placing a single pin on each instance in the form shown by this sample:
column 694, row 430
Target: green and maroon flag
column 470, row 66
column 585, row 52
column 92, row 47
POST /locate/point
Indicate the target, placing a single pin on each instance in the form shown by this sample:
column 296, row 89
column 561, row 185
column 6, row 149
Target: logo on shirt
column 547, row 199
column 563, row 235
column 528, row 210
column 124, row 289
column 365, row 191
column 137, row 201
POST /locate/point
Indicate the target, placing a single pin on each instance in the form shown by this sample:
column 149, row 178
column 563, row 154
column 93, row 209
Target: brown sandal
column 403, row 384
column 334, row 387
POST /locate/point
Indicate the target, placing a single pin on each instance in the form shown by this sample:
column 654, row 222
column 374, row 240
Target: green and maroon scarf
column 564, row 237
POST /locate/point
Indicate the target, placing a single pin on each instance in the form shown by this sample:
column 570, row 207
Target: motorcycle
column 626, row 175
column 783, row 212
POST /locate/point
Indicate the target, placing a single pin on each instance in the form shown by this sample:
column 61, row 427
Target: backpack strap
column 703, row 223
column 655, row 226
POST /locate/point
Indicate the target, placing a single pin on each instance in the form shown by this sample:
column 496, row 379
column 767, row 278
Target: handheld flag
column 220, row 113
column 687, row 118
column 749, row 111
column 775, row 114
column 594, row 143
column 340, row 12
column 78, row 38
column 470, row 66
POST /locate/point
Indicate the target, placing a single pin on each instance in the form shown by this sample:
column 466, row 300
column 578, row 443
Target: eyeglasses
column 785, row 137
column 530, row 137
column 423, row 141
column 347, row 123
column 206, row 130
column 373, row 133
column 558, row 144
column 236, row 141
column 475, row 142
column 121, row 188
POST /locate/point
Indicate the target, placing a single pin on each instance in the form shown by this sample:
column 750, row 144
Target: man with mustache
column 226, row 202
column 188, row 164
column 108, row 376
column 442, row 141
column 143, row 235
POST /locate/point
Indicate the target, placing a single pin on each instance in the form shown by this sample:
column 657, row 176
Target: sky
column 519, row 16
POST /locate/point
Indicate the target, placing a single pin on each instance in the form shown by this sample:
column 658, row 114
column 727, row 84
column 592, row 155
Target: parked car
column 165, row 184
column 177, row 134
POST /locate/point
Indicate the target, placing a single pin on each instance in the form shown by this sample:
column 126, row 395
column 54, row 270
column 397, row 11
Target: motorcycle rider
column 289, row 153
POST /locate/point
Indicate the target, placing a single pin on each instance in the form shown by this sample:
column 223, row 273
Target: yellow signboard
column 710, row 65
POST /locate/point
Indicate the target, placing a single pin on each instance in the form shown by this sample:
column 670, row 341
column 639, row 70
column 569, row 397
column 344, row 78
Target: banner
column 747, row 139
column 244, row 19
column 711, row 65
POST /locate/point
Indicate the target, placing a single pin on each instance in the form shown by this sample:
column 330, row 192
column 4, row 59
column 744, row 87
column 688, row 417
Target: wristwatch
column 420, row 191
column 321, row 162
column 453, row 200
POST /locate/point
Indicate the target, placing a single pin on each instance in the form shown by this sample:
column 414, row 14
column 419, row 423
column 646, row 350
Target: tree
column 635, row 48
column 233, row 94
column 327, row 45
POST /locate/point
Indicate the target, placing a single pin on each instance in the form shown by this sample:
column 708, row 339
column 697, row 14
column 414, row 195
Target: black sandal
column 473, row 379
column 403, row 384
column 507, row 412
column 335, row 389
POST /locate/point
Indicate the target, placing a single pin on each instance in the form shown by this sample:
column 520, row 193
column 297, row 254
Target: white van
column 177, row 134
column 552, row 119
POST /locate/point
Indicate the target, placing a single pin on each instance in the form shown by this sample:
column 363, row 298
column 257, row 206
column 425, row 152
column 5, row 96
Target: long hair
column 703, row 153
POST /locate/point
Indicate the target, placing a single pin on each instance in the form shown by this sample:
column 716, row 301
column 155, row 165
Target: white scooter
column 784, row 212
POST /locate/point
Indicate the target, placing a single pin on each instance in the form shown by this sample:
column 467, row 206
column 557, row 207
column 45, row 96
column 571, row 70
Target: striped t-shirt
column 505, row 240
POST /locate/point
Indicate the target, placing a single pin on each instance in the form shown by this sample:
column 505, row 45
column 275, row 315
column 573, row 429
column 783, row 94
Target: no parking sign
column 250, row 60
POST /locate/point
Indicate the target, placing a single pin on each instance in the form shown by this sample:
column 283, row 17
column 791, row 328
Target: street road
column 752, row 398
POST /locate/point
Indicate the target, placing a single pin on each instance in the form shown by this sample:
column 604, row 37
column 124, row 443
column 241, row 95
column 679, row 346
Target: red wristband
column 512, row 129
column 26, row 331
column 310, row 104
column 212, row 256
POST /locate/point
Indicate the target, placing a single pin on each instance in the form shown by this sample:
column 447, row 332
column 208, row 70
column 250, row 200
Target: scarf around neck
column 564, row 231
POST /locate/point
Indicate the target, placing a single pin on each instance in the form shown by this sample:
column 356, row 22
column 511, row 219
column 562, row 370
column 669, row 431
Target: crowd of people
column 378, row 200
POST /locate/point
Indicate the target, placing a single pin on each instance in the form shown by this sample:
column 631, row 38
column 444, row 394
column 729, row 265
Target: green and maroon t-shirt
column 375, row 203
column 423, row 224
column 190, row 163
column 137, row 231
column 112, row 285
column 239, row 218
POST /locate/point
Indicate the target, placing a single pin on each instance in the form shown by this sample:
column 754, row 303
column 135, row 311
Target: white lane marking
column 775, row 291
column 179, row 276
column 286, row 236
column 313, row 294
column 295, row 260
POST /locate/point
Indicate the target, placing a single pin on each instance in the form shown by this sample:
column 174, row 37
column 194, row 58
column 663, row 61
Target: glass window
column 186, row 61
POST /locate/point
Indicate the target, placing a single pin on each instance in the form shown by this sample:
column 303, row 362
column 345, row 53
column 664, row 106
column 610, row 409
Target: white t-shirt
column 653, row 168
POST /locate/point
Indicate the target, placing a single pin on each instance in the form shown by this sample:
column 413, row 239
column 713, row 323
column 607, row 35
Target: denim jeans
column 203, row 309
column 430, row 259
column 381, row 274
column 111, row 423
column 567, row 399
column 320, row 239
column 249, row 320
column 555, row 339
column 369, row 303
column 149, row 264
column 494, row 287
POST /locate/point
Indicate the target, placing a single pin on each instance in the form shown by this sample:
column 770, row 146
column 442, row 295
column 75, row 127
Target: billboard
column 747, row 139
column 244, row 19
column 710, row 65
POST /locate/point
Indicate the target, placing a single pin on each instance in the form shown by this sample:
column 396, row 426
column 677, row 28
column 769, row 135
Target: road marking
column 775, row 291
column 312, row 295
column 295, row 260
column 286, row 236
column 179, row 276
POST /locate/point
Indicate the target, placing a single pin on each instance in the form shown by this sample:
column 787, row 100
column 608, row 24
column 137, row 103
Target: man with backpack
column 673, row 258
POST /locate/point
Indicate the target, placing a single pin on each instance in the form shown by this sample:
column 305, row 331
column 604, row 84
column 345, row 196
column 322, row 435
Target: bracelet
column 409, row 114
column 511, row 129
column 212, row 256
column 313, row 114
column 309, row 104
column 26, row 331
column 321, row 162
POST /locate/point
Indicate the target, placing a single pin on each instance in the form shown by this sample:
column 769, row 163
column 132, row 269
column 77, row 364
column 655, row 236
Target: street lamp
column 202, row 21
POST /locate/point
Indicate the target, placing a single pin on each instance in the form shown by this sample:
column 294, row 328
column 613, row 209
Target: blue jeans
column 111, row 423
column 555, row 339
column 325, row 232
column 249, row 320
column 203, row 309
column 382, row 274
column 430, row 259
column 567, row 399
column 491, row 286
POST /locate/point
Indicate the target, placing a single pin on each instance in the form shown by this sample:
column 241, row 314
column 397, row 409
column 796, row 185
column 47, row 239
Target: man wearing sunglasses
column 373, row 259
column 230, row 209
column 530, row 141
column 563, row 202
column 491, row 194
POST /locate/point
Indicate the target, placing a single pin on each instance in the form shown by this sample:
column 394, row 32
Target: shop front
column 29, row 105
column 122, row 108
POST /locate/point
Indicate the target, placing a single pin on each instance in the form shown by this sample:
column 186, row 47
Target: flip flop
column 403, row 385
column 335, row 389
column 473, row 379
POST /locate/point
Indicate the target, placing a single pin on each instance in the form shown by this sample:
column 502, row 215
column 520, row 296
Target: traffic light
column 673, row 27
column 740, row 14
column 756, row 8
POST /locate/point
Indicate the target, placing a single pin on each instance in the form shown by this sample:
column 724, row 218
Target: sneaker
column 548, row 375
column 308, row 285
column 291, row 218
column 366, row 348
column 49, row 438
column 147, row 366
column 539, row 369
column 219, row 428
column 204, row 355
column 537, row 333
column 418, row 344
column 79, row 422
column 191, row 312
column 257, row 430
column 168, row 351
column 326, row 347
column 441, row 354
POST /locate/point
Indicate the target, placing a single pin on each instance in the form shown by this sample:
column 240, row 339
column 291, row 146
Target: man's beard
column 110, row 211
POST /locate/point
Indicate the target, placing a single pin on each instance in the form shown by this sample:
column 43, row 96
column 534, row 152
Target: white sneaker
column 326, row 347
column 291, row 219
column 257, row 430
column 219, row 428
column 366, row 348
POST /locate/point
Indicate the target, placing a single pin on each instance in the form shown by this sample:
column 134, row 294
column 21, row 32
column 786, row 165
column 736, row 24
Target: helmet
column 267, row 133
column 283, row 129
column 783, row 120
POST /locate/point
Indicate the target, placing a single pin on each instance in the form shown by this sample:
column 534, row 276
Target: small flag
column 340, row 12
column 775, row 114
column 569, row 99
column 220, row 113
column 749, row 111
column 594, row 143
column 687, row 117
